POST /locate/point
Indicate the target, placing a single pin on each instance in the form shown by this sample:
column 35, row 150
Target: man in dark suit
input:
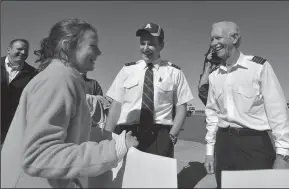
column 92, row 87
column 15, row 74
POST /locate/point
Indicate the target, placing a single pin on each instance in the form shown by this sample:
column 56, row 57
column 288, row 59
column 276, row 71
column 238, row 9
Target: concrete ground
column 191, row 172
column 190, row 153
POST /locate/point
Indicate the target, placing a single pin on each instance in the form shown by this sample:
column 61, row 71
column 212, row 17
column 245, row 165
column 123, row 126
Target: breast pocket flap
column 165, row 86
column 130, row 83
column 248, row 92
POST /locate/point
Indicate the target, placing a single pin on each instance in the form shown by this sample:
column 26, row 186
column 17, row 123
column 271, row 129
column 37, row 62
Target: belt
column 232, row 131
column 154, row 128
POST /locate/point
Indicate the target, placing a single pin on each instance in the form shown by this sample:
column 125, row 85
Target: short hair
column 71, row 30
column 18, row 39
column 232, row 28
column 161, row 40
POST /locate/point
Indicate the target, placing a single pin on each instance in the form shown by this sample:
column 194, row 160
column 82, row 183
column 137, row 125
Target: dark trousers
column 154, row 139
column 243, row 149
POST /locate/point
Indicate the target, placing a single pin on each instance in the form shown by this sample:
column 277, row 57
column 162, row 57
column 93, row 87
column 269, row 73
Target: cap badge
column 148, row 26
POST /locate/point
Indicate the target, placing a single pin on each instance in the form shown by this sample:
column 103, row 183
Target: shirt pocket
column 131, row 90
column 164, row 92
column 246, row 97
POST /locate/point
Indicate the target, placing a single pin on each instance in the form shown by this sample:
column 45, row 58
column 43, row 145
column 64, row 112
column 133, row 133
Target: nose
column 97, row 52
column 23, row 51
column 214, row 42
column 145, row 47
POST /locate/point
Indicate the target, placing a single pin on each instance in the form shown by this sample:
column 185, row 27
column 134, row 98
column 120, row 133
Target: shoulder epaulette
column 175, row 66
column 130, row 63
column 258, row 60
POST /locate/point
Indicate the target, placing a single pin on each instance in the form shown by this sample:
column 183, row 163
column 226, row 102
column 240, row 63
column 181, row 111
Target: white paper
column 273, row 178
column 144, row 170
column 137, row 169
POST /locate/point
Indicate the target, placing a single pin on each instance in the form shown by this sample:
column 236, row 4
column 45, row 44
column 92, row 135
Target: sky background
column 187, row 25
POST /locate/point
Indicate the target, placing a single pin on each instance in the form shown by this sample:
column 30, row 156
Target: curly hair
column 51, row 47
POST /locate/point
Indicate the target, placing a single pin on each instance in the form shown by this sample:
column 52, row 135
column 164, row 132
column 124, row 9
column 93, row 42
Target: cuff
column 282, row 151
column 113, row 96
column 120, row 146
column 185, row 100
column 210, row 150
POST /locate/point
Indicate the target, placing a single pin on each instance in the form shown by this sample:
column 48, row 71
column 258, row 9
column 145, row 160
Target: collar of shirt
column 11, row 67
column 84, row 76
column 156, row 63
column 241, row 63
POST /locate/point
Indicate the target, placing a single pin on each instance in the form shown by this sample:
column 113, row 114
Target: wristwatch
column 174, row 139
column 284, row 157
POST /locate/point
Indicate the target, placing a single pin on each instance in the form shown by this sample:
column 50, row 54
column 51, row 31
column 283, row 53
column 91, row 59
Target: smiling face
column 150, row 47
column 223, row 40
column 18, row 52
column 84, row 56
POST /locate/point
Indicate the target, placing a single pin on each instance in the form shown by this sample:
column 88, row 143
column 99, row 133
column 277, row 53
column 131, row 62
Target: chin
column 221, row 55
column 19, row 60
column 91, row 68
column 147, row 57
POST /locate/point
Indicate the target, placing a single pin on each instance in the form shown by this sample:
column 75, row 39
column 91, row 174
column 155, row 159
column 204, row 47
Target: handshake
column 130, row 141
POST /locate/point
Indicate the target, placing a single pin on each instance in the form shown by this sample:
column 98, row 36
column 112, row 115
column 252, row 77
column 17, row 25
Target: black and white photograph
column 144, row 94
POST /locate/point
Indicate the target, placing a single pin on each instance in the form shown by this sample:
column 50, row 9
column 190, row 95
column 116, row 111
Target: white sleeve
column 276, row 108
column 116, row 90
column 211, row 119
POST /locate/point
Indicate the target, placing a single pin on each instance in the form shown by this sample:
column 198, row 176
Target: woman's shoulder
column 56, row 75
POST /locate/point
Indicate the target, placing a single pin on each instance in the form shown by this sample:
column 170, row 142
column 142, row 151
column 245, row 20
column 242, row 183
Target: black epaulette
column 258, row 60
column 175, row 66
column 130, row 63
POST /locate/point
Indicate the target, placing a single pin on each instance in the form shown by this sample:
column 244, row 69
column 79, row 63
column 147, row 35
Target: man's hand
column 130, row 141
column 209, row 164
column 91, row 103
column 209, row 67
column 174, row 139
column 280, row 163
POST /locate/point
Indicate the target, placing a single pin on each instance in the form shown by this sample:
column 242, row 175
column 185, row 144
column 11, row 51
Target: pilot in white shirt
column 245, row 101
column 169, row 92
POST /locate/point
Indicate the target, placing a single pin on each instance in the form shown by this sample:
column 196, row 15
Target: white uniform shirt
column 247, row 96
column 170, row 88
column 11, row 71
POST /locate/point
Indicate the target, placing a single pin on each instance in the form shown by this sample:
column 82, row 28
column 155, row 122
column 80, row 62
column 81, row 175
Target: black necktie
column 147, row 108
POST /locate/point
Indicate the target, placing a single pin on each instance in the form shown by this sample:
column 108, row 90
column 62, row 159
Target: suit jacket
column 11, row 92
column 92, row 87
column 203, row 93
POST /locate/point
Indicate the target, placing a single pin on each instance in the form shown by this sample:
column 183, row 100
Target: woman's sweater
column 48, row 144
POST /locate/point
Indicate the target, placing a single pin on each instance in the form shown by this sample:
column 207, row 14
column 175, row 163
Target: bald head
column 228, row 29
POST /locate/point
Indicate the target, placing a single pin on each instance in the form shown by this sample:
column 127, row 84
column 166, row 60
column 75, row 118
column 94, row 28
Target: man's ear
column 8, row 50
column 236, row 37
column 162, row 45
